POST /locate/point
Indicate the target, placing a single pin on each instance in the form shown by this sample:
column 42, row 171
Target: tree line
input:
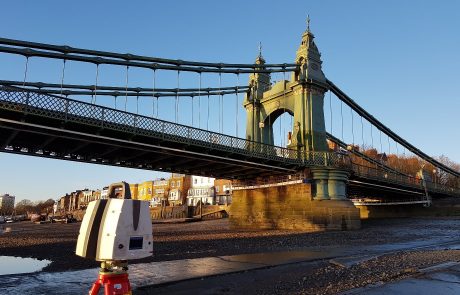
column 28, row 207
column 413, row 165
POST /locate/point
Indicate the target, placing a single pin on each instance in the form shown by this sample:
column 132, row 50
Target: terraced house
column 160, row 192
column 223, row 189
column 179, row 185
column 201, row 190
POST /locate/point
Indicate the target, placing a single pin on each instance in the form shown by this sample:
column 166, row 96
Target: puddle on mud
column 17, row 265
column 5, row 230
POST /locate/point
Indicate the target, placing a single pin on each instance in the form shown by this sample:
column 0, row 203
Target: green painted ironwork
column 69, row 110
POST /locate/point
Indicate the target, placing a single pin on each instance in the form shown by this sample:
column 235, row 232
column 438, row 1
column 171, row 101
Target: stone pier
column 317, row 205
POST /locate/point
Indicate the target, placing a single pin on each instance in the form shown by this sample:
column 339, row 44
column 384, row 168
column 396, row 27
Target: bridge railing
column 69, row 110
column 438, row 187
column 388, row 176
column 391, row 177
column 390, row 202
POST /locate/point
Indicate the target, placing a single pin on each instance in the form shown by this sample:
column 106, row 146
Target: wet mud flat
column 321, row 277
column 56, row 242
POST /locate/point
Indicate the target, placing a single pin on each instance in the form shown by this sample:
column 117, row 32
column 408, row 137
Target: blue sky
column 397, row 59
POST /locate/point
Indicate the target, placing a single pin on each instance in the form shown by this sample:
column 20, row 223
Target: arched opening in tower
column 282, row 128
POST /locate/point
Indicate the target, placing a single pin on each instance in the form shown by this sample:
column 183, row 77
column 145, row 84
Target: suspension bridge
column 138, row 123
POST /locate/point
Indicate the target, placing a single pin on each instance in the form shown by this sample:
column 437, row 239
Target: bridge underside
column 361, row 187
column 19, row 137
column 393, row 187
column 54, row 127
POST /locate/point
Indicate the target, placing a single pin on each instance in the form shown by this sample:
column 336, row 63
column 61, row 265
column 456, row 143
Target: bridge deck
column 50, row 126
column 56, row 127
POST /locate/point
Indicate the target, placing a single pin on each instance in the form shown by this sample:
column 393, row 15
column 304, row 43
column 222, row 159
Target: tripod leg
column 95, row 288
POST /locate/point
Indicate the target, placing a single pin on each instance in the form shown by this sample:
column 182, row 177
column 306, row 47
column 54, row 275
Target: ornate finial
column 308, row 23
column 260, row 49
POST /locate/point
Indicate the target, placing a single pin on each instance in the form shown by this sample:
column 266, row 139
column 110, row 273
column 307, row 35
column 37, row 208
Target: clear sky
column 398, row 59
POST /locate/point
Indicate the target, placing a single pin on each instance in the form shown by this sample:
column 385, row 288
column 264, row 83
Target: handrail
column 406, row 180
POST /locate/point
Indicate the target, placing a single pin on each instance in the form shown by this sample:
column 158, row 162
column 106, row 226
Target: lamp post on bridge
column 263, row 147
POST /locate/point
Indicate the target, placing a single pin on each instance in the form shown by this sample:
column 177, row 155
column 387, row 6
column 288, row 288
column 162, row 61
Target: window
column 195, row 181
column 178, row 183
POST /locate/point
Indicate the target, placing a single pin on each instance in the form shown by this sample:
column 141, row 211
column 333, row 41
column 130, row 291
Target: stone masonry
column 291, row 207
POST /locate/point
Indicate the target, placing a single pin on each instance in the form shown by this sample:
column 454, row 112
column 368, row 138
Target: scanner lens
column 135, row 243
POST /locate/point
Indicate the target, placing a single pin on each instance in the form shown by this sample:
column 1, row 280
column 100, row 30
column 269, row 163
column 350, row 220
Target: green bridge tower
column 302, row 97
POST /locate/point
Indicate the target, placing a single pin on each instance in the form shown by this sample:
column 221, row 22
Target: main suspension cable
column 87, row 53
column 50, row 88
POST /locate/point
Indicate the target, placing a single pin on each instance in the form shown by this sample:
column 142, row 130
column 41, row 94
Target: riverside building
column 6, row 204
column 201, row 189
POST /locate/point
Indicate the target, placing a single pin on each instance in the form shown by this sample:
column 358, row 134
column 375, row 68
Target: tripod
column 113, row 275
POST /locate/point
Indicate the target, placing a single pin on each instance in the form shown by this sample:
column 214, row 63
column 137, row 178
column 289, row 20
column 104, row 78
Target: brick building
column 179, row 185
column 223, row 189
column 145, row 191
column 84, row 197
column 6, row 204
column 74, row 200
column 160, row 192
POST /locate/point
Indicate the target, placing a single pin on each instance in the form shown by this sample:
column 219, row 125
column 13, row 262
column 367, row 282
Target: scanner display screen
column 135, row 243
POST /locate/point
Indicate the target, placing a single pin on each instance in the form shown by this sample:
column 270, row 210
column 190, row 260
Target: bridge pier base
column 295, row 206
column 331, row 184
